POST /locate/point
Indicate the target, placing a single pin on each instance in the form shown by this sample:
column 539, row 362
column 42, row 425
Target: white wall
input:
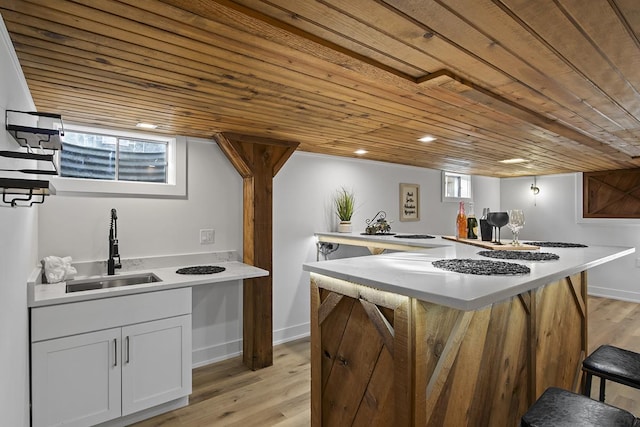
column 18, row 242
column 553, row 218
column 79, row 226
column 302, row 194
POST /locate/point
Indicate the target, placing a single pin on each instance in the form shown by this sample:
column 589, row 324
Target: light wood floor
column 227, row 394
column 616, row 323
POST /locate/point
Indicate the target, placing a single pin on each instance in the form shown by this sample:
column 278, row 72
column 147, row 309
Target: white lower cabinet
column 89, row 378
column 153, row 364
column 76, row 380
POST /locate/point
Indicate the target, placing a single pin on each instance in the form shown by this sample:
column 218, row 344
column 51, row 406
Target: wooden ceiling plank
column 267, row 103
column 239, row 35
column 477, row 9
column 349, row 31
column 552, row 24
column 607, row 134
column 273, row 72
column 510, row 108
column 479, row 44
column 544, row 68
column 244, row 72
column 307, row 96
column 631, row 12
column 220, row 112
column 602, row 26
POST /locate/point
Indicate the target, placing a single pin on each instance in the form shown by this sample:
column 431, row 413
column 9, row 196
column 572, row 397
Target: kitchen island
column 396, row 341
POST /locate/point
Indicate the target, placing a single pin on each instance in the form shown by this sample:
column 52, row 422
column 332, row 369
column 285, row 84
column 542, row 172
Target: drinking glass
column 498, row 220
column 516, row 222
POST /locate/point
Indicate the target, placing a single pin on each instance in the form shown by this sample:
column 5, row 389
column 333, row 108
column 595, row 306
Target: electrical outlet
column 207, row 236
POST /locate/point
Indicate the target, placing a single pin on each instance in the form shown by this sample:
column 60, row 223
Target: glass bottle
column 486, row 229
column 472, row 224
column 461, row 223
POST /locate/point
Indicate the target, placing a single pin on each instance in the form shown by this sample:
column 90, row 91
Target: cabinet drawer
column 79, row 317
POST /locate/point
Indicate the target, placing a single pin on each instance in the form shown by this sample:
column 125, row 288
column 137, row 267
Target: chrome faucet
column 113, row 245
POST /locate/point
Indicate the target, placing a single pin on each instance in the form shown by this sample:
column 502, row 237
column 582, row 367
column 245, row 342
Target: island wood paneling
column 611, row 194
column 554, row 83
column 382, row 359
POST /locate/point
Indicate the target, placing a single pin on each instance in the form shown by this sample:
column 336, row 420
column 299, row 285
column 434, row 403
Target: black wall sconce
column 534, row 188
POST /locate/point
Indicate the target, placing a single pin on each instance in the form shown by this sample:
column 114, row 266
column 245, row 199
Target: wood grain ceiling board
column 555, row 82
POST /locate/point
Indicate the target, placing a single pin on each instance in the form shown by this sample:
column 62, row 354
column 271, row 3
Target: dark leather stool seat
column 614, row 364
column 561, row 408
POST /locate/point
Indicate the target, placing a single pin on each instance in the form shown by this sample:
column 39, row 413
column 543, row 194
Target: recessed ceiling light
column 512, row 161
column 360, row 152
column 427, row 138
column 146, row 125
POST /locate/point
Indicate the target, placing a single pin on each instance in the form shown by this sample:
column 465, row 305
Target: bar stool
column 561, row 408
column 611, row 363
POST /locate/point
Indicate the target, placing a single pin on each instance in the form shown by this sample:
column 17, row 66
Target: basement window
column 112, row 162
column 456, row 187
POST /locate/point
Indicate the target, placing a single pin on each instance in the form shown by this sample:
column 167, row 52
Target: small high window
column 455, row 187
column 96, row 156
column 109, row 162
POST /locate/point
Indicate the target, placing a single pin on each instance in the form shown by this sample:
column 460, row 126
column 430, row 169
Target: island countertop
column 413, row 274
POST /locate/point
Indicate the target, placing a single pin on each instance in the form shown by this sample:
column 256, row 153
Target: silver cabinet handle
column 127, row 339
column 115, row 352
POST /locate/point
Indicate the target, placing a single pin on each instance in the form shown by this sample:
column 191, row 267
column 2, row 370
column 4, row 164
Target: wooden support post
column 257, row 160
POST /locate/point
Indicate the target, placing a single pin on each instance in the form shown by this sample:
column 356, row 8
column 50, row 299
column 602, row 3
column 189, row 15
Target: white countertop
column 49, row 294
column 413, row 274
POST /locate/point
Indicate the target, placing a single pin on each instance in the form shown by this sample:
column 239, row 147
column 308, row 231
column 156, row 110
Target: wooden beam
column 257, row 160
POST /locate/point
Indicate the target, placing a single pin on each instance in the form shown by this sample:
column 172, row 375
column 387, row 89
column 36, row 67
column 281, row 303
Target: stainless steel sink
column 110, row 282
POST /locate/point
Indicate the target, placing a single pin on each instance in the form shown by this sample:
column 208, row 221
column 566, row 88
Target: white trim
column 216, row 353
column 617, row 294
column 6, row 41
column 176, row 173
column 606, row 222
column 291, row 333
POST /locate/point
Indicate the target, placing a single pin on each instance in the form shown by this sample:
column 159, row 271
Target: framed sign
column 409, row 202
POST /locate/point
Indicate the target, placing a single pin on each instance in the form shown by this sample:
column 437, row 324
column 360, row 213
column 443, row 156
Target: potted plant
column 344, row 203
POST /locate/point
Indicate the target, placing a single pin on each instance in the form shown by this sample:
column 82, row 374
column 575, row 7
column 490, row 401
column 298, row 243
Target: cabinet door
column 156, row 363
column 76, row 379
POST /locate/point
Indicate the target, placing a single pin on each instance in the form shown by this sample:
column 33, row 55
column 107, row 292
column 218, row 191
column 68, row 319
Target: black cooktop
column 201, row 269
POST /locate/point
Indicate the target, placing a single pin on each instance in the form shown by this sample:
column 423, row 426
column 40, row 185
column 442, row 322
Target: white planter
column 345, row 227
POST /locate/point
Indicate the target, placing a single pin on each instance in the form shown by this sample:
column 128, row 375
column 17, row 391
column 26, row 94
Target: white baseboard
column 219, row 352
column 216, row 353
column 618, row 294
column 291, row 333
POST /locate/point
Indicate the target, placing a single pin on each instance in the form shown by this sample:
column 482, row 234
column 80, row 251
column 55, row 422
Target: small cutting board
column 493, row 246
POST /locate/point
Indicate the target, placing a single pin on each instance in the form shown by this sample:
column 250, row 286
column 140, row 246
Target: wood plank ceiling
column 554, row 82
